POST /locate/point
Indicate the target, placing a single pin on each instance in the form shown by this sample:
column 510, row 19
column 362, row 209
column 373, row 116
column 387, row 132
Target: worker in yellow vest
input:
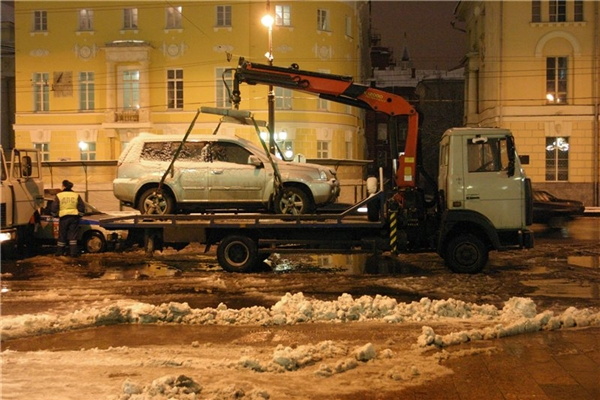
column 69, row 207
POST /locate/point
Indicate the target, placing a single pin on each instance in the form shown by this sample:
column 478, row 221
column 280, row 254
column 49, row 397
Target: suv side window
column 233, row 153
column 157, row 151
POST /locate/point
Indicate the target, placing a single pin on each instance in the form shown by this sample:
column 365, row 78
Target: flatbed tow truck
column 482, row 201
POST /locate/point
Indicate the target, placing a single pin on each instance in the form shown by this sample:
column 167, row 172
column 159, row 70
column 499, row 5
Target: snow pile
column 518, row 315
column 286, row 358
column 167, row 387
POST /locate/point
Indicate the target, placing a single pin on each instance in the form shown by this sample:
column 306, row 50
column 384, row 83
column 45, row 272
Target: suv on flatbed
column 216, row 173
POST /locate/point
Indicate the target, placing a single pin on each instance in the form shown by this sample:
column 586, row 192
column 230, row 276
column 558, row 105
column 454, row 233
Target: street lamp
column 268, row 21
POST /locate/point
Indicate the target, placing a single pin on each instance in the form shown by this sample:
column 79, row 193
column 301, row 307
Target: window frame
column 85, row 20
column 175, row 89
column 555, row 147
column 557, row 11
column 283, row 15
column 40, row 21
column 223, row 16
column 87, row 91
column 222, row 98
column 323, row 23
column 88, row 154
column 283, row 98
column 130, row 18
column 41, row 92
column 44, row 149
column 323, row 148
column 557, row 79
column 174, row 17
column 536, row 11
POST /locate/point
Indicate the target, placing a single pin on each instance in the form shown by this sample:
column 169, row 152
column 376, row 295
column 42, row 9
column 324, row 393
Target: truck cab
column 485, row 196
column 22, row 192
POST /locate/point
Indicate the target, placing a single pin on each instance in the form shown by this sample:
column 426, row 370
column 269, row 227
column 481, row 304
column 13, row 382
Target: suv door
column 231, row 178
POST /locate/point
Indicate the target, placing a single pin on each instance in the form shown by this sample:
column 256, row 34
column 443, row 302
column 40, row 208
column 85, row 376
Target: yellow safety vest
column 68, row 203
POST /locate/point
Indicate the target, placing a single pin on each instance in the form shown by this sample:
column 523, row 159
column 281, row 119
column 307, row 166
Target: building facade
column 534, row 67
column 91, row 75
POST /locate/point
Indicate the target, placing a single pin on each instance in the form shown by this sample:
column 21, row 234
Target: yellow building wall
column 508, row 53
column 199, row 48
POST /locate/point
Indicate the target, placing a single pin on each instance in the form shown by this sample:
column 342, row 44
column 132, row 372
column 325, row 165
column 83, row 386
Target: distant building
column 437, row 95
column 534, row 67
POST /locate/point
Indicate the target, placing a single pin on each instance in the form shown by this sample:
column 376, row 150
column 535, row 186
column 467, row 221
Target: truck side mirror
column 26, row 166
column 510, row 144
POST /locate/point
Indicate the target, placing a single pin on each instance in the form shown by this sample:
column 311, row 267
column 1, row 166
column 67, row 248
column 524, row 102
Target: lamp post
column 268, row 21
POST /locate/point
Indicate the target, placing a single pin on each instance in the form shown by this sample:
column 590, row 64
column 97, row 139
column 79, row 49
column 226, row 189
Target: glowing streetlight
column 268, row 21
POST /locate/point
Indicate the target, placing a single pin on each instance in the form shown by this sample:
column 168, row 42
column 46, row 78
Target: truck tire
column 94, row 242
column 466, row 254
column 152, row 202
column 237, row 254
column 294, row 201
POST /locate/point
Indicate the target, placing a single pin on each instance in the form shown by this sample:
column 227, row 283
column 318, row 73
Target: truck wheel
column 293, row 200
column 466, row 254
column 94, row 242
column 152, row 202
column 237, row 254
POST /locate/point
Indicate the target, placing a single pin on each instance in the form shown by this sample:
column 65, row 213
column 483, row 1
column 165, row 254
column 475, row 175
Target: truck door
column 25, row 185
column 488, row 187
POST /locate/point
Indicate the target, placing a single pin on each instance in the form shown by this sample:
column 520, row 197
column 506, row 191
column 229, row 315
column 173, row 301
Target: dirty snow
column 206, row 371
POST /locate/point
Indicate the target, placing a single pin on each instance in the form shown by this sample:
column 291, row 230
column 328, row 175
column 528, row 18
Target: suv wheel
column 152, row 202
column 292, row 200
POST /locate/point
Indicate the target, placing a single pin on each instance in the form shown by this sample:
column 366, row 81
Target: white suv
column 216, row 172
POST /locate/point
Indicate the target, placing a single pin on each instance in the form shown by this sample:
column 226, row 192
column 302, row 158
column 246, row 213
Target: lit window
column 86, row 91
column 322, row 20
column 174, row 17
column 131, row 89
column 40, row 21
column 41, row 91
column 130, row 18
column 283, row 98
column 223, row 16
column 87, row 151
column 557, row 158
column 283, row 15
column 175, row 89
column 556, row 80
column 86, row 20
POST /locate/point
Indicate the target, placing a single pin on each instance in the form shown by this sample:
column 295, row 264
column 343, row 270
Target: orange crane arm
column 340, row 89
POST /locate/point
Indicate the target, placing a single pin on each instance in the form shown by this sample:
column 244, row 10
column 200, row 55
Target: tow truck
column 482, row 200
column 22, row 195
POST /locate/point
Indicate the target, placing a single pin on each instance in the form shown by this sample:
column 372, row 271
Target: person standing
column 69, row 207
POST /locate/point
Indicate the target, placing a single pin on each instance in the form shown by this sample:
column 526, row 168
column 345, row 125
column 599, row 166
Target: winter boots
column 73, row 249
column 60, row 249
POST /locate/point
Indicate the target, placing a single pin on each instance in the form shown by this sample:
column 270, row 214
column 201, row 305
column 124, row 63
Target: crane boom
column 340, row 89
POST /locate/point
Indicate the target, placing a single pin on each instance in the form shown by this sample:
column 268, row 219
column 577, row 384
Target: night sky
column 431, row 40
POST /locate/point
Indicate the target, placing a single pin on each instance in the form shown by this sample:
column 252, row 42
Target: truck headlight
column 4, row 236
column 322, row 175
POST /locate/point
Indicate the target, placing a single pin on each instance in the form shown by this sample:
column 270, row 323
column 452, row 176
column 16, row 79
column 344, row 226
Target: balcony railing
column 127, row 115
